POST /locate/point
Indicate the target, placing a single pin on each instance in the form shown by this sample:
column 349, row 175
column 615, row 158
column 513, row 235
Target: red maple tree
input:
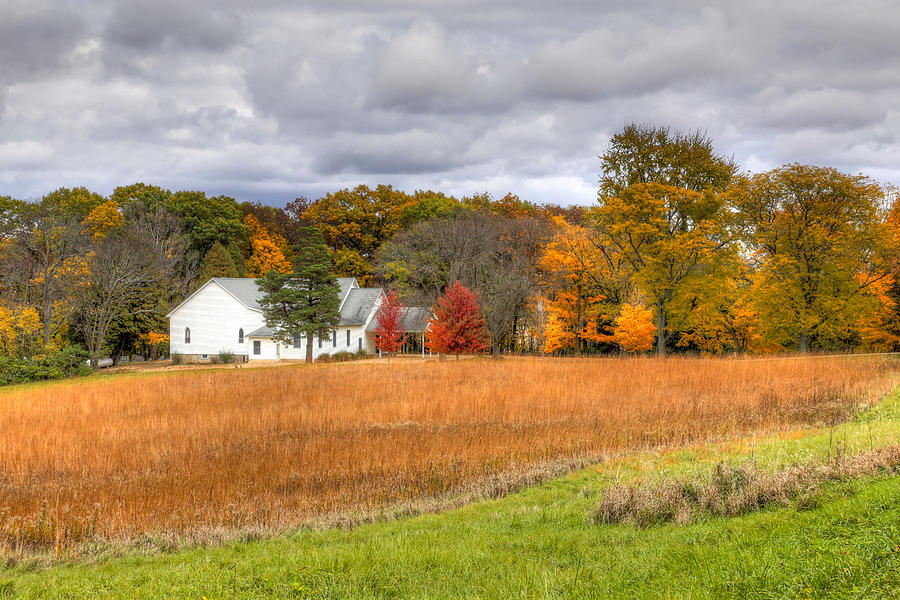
column 457, row 327
column 389, row 333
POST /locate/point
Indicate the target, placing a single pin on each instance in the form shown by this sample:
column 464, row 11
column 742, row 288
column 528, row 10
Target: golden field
column 185, row 454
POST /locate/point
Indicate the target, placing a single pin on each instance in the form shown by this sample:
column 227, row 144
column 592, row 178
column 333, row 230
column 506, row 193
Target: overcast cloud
column 267, row 101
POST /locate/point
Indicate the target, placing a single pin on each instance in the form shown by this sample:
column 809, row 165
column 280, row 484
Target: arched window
column 241, row 335
column 187, row 335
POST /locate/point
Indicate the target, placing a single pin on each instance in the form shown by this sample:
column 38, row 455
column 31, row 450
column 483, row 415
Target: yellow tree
column 818, row 243
column 715, row 312
column 20, row 331
column 267, row 250
column 104, row 217
column 355, row 223
column 666, row 235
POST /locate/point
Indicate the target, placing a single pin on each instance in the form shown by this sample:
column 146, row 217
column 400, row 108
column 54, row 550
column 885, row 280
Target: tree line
column 682, row 252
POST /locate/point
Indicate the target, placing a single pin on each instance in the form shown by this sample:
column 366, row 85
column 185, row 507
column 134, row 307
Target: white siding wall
column 356, row 332
column 267, row 347
column 214, row 317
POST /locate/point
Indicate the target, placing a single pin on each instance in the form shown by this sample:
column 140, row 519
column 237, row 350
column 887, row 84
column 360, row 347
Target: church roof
column 245, row 290
column 359, row 305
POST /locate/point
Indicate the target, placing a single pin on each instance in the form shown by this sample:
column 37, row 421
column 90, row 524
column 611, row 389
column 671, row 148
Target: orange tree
column 267, row 249
column 581, row 282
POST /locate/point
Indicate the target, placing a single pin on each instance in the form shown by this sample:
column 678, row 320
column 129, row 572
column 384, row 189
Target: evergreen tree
column 217, row 263
column 305, row 302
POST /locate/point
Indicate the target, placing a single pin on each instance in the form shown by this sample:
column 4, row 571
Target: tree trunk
column 660, row 332
column 578, row 320
column 802, row 343
column 46, row 317
column 309, row 342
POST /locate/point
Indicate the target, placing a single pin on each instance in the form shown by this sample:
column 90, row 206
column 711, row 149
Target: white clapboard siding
column 215, row 318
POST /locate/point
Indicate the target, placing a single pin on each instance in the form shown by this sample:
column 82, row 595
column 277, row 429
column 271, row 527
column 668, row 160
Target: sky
column 270, row 100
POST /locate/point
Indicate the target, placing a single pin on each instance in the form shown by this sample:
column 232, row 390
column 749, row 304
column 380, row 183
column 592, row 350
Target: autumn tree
column 581, row 281
column 355, row 223
column 389, row 332
column 635, row 329
column 103, row 217
column 646, row 154
column 306, row 301
column 119, row 269
column 457, row 326
column 818, row 241
column 666, row 235
column 716, row 312
column 880, row 329
column 267, row 249
column 47, row 255
column 20, row 331
column 497, row 256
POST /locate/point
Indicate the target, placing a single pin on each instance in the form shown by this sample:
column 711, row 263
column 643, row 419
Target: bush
column 225, row 356
column 71, row 361
column 362, row 354
column 343, row 356
column 175, row 358
column 324, row 358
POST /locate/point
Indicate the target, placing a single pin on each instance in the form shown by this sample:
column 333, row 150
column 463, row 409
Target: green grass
column 541, row 543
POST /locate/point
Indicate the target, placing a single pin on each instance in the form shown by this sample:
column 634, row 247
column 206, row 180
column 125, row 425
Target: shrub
column 361, row 353
column 225, row 356
column 324, row 358
column 343, row 356
column 71, row 361
column 175, row 358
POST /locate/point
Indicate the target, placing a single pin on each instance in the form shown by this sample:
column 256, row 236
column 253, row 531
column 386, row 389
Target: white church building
column 224, row 315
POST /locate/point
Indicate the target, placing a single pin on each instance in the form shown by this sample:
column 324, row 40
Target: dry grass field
column 193, row 454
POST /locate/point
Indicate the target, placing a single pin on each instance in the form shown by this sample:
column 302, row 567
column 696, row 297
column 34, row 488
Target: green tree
column 74, row 202
column 645, row 154
column 147, row 197
column 208, row 220
column 818, row 240
column 305, row 302
column 217, row 263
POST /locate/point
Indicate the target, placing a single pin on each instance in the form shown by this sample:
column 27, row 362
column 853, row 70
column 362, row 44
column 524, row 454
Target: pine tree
column 217, row 263
column 306, row 301
column 389, row 334
column 457, row 325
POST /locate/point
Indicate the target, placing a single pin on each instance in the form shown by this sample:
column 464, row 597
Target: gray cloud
column 269, row 101
column 35, row 39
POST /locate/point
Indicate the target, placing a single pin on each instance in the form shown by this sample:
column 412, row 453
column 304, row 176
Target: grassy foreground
column 541, row 543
